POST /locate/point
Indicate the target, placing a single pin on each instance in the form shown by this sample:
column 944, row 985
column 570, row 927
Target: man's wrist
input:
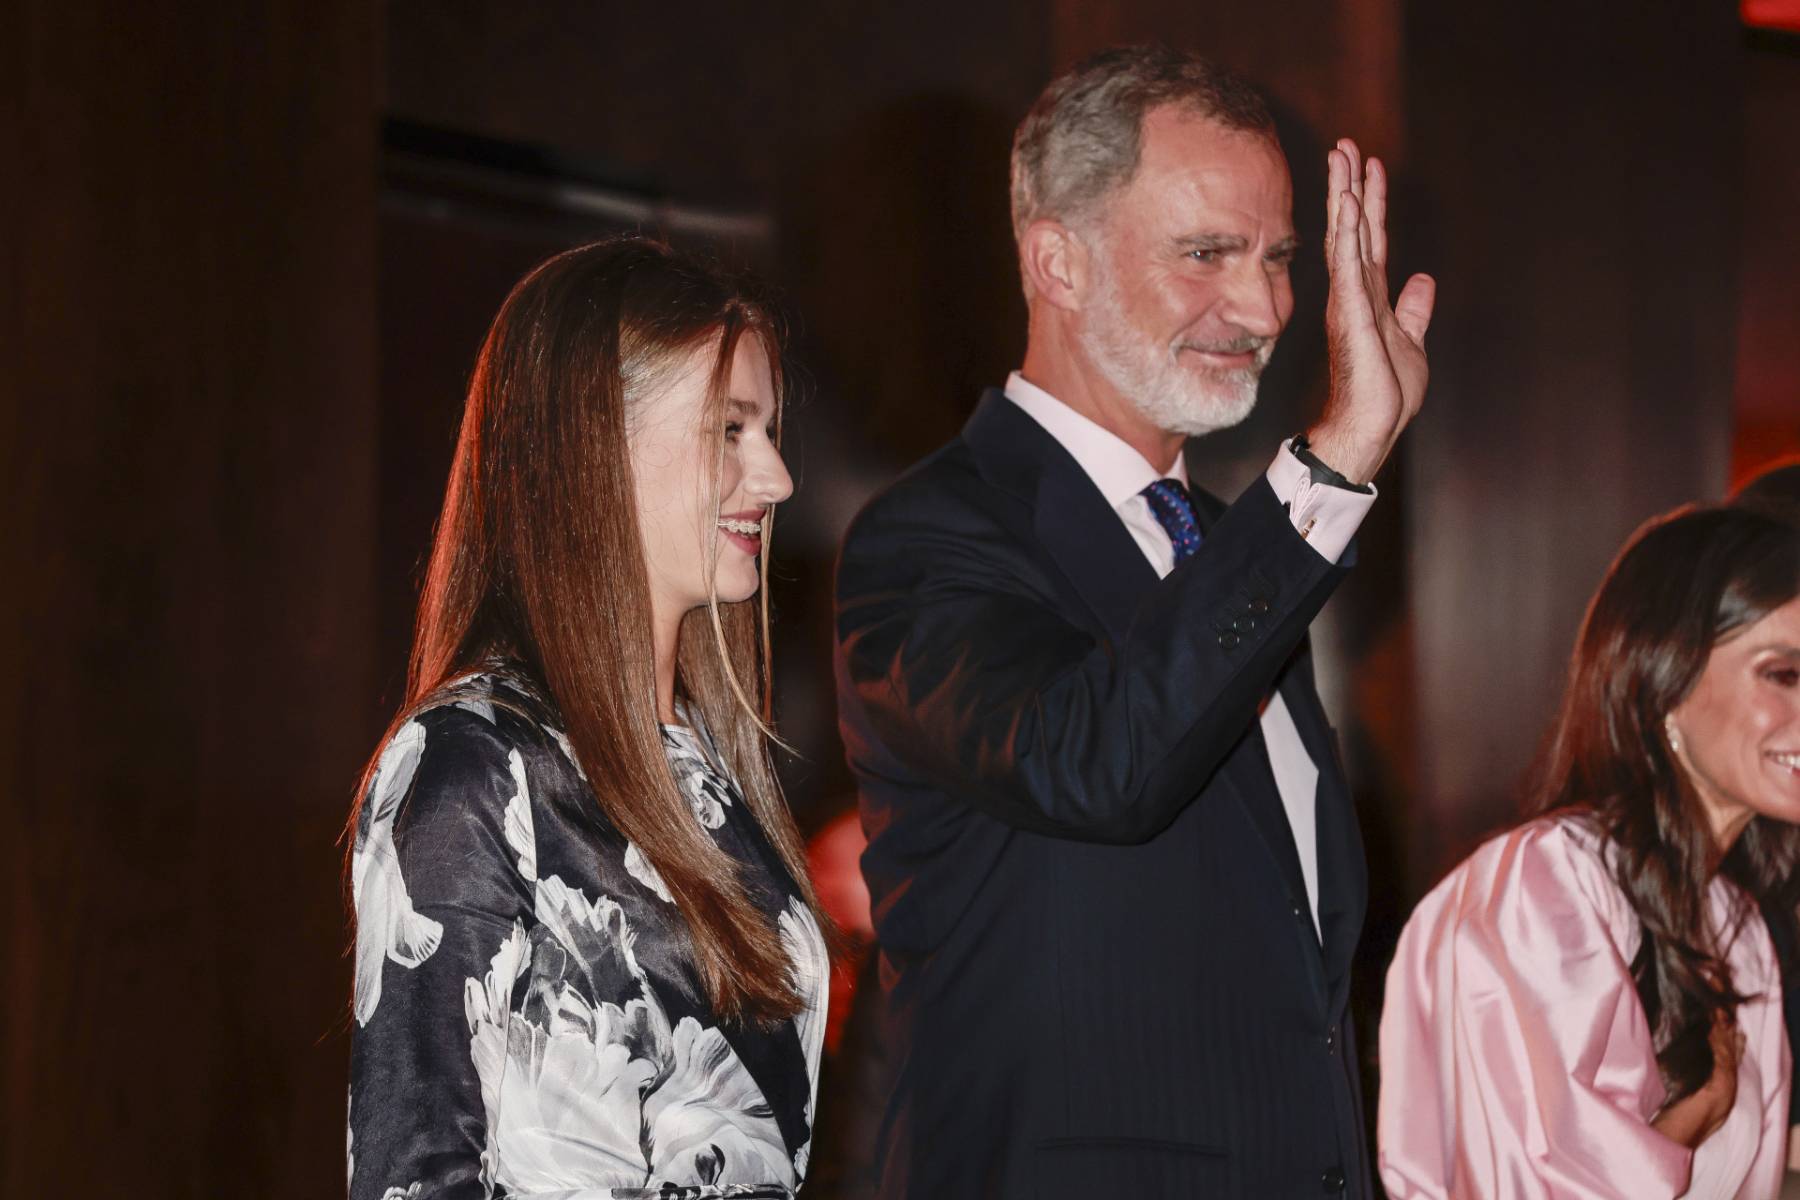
column 1322, row 471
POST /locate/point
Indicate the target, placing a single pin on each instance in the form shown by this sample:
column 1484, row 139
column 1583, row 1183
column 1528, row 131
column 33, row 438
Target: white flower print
column 561, row 1078
column 486, row 1008
column 577, row 1092
column 706, row 792
column 387, row 928
column 709, row 1122
column 639, row 868
column 519, row 834
column 805, row 946
column 568, row 749
column 394, row 1193
column 476, row 695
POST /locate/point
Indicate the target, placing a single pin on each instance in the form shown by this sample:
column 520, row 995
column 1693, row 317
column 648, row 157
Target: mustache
column 1246, row 344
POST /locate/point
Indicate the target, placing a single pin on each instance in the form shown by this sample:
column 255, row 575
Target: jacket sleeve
column 442, row 906
column 972, row 677
column 1515, row 1056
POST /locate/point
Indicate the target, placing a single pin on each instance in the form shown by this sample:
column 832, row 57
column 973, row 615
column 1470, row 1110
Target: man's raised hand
column 1378, row 366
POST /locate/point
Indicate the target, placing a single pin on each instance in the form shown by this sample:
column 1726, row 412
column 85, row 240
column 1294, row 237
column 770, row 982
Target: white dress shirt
column 1327, row 517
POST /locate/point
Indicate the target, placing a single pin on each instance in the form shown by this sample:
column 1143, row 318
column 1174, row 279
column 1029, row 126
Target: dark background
column 240, row 302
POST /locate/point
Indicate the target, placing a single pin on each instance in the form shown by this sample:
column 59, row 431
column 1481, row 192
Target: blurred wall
column 1768, row 330
column 187, row 429
column 1580, row 167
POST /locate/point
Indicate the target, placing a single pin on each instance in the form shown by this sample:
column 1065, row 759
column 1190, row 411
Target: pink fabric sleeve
column 1515, row 1057
column 1763, row 1026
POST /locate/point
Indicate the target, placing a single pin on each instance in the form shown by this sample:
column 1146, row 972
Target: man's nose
column 1256, row 301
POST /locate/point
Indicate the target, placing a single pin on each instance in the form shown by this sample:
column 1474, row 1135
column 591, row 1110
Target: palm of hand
column 1378, row 363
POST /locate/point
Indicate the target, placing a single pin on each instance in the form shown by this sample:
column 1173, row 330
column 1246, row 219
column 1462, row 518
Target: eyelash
column 734, row 428
column 1209, row 258
column 1783, row 676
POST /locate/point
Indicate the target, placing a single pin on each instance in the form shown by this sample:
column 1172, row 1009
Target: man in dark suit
column 1116, row 874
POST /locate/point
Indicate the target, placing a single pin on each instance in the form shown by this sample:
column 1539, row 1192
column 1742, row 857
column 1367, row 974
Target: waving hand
column 1378, row 365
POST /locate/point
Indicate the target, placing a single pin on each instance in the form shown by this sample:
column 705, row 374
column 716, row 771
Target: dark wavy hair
column 1683, row 584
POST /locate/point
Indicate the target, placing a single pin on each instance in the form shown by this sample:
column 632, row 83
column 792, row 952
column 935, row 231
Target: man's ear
column 1056, row 262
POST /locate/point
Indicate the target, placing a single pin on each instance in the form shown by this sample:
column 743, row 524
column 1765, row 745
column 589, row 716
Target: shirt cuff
column 1327, row 517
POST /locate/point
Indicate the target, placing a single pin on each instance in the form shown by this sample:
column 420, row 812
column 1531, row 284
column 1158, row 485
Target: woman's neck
column 1726, row 832
column 665, row 637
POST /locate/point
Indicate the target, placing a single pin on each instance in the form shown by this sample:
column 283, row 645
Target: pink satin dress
column 1516, row 1062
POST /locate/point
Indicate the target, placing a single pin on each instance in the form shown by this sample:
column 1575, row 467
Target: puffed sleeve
column 1516, row 1059
column 441, row 908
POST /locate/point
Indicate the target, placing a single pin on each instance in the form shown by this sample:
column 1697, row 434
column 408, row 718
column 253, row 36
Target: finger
column 1375, row 286
column 1345, row 259
column 1358, row 186
column 1364, row 239
column 1413, row 310
column 1375, row 195
column 1337, row 181
column 1353, row 154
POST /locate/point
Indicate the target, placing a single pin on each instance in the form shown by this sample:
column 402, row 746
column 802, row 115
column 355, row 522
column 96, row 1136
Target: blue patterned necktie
column 1170, row 505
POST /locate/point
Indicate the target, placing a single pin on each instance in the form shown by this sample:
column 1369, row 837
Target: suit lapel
column 1071, row 519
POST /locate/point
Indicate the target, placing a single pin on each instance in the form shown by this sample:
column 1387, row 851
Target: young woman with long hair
column 1590, row 1006
column 589, row 962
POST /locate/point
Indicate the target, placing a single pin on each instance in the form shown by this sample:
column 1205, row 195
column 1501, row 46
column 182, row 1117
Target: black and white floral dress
column 528, row 1020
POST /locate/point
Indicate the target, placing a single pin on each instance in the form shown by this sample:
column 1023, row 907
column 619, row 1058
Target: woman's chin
column 734, row 591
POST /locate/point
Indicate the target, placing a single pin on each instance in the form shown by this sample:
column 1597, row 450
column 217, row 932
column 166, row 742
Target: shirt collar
column 1119, row 471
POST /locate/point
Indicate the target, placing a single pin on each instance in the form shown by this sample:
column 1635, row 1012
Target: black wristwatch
column 1322, row 473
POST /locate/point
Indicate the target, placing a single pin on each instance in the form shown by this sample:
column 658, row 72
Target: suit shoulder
column 944, row 492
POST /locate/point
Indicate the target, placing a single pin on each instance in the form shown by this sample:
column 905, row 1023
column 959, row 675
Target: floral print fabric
column 528, row 1022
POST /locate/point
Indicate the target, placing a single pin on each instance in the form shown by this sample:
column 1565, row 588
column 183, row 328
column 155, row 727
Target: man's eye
column 1208, row 257
column 1284, row 259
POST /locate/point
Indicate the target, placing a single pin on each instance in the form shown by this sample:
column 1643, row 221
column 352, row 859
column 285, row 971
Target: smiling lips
column 1786, row 758
column 744, row 530
column 1244, row 352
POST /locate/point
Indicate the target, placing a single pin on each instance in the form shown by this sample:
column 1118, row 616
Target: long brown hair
column 538, row 558
column 1683, row 584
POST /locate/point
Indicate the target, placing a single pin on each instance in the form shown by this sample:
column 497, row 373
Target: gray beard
column 1147, row 375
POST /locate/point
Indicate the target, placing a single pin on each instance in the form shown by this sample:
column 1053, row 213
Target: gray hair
column 1082, row 137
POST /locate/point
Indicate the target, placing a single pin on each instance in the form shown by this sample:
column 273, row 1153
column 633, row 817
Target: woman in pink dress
column 1589, row 1006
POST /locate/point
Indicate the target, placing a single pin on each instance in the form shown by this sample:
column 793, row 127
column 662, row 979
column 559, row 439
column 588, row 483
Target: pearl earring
column 1674, row 738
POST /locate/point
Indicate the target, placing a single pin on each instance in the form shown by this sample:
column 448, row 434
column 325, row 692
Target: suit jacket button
column 1333, row 1180
column 1244, row 624
column 1229, row 640
column 1331, row 1040
column 1259, row 606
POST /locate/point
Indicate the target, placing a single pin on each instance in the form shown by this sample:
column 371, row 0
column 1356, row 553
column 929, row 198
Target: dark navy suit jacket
column 1099, row 974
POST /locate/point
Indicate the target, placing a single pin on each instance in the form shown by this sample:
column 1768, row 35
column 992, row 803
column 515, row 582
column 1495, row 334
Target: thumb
column 1413, row 309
